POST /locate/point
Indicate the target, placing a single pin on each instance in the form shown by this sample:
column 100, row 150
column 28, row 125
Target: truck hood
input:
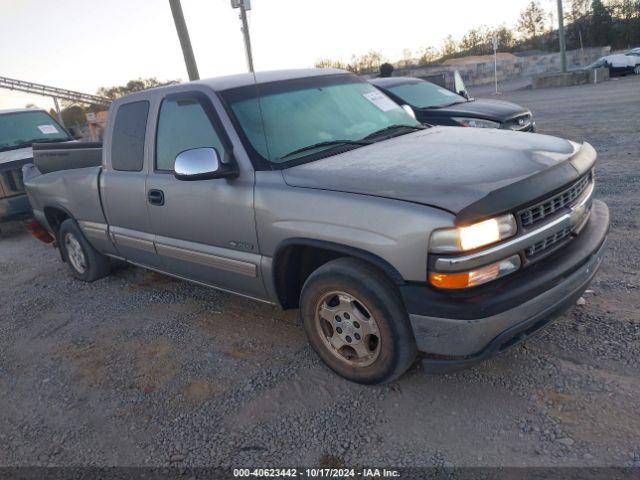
column 482, row 108
column 10, row 156
column 478, row 171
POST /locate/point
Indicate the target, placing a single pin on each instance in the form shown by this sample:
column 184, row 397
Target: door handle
column 156, row 197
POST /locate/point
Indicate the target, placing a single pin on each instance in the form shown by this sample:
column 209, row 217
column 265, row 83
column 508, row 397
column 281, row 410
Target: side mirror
column 201, row 164
column 409, row 110
column 458, row 85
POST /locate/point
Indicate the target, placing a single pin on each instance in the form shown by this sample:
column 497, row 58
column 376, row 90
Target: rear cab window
column 127, row 149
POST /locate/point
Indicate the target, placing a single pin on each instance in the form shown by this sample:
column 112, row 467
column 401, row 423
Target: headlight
column 476, row 122
column 462, row 239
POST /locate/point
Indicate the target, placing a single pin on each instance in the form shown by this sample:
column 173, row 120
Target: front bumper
column 14, row 208
column 458, row 330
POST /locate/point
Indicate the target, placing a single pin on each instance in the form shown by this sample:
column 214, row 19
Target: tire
column 84, row 261
column 369, row 339
column 636, row 70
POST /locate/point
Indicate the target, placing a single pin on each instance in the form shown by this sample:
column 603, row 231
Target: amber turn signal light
column 472, row 278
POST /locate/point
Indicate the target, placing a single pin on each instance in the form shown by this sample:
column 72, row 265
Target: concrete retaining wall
column 510, row 69
column 569, row 79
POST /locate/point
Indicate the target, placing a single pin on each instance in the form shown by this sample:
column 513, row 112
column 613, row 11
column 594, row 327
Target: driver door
column 205, row 229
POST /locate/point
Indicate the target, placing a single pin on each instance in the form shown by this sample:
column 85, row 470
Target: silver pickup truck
column 311, row 189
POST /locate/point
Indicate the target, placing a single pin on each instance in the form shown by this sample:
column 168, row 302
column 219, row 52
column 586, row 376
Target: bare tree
column 449, row 47
column 328, row 63
column 428, row 55
column 532, row 22
column 133, row 86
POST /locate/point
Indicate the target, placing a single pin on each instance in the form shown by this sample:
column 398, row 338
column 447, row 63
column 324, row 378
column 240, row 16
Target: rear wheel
column 355, row 320
column 84, row 261
column 636, row 70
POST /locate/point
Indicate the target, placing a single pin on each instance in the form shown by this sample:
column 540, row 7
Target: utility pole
column 58, row 112
column 563, row 44
column 185, row 42
column 495, row 61
column 245, row 5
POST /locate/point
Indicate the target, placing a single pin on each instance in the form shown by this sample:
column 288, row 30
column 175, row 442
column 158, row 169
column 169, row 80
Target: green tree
column 73, row 115
column 601, row 24
column 627, row 27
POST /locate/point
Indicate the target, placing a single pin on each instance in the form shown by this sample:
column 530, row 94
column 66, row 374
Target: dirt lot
column 140, row 369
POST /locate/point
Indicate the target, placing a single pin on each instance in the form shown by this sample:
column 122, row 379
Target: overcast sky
column 83, row 45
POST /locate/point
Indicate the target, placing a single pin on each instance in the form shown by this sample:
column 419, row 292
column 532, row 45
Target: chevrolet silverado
column 311, row 189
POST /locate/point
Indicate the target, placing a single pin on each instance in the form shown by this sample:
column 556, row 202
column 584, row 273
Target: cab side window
column 183, row 124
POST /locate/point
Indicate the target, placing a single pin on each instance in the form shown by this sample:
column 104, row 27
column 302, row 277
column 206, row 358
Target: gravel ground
column 140, row 369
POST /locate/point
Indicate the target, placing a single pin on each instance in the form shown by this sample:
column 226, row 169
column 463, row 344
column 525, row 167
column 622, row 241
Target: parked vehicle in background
column 311, row 189
column 435, row 105
column 19, row 129
column 634, row 52
column 619, row 64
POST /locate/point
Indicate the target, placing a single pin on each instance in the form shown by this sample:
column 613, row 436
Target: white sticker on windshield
column 381, row 101
column 48, row 129
column 447, row 92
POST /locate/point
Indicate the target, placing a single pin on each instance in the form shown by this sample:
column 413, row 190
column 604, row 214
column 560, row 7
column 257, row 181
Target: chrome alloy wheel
column 636, row 70
column 75, row 253
column 348, row 329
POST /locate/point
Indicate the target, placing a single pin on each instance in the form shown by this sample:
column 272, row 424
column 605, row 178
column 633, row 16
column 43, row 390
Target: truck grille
column 11, row 183
column 549, row 206
column 547, row 242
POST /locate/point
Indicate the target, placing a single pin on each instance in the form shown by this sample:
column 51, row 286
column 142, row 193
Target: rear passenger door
column 205, row 229
column 123, row 185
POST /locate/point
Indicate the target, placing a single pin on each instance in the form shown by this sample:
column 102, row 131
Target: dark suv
column 435, row 105
column 19, row 129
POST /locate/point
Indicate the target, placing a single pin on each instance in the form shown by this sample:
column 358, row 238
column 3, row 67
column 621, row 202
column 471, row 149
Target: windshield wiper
column 50, row 140
column 391, row 128
column 329, row 143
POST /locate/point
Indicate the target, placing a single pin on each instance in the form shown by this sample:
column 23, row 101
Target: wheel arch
column 55, row 215
column 296, row 258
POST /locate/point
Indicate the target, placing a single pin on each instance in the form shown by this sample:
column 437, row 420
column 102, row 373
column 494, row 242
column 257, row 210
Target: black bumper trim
column 515, row 289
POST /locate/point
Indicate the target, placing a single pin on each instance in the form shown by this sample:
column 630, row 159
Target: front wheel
column 636, row 70
column 84, row 261
column 355, row 320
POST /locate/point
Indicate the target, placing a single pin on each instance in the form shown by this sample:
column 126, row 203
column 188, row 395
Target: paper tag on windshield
column 48, row 129
column 381, row 101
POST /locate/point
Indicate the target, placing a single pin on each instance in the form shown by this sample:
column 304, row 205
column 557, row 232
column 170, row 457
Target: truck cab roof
column 239, row 80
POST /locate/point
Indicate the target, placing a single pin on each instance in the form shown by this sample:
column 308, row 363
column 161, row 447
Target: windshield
column 326, row 112
column 423, row 94
column 21, row 129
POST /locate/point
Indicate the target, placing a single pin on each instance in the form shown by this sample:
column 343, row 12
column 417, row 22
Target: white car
column 619, row 64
